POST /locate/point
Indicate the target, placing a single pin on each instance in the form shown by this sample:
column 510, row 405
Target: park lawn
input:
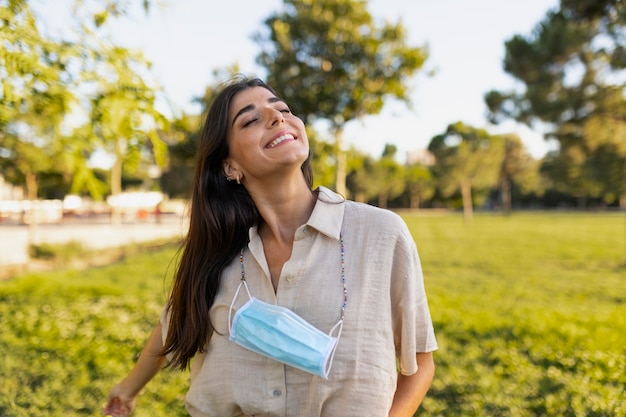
column 529, row 311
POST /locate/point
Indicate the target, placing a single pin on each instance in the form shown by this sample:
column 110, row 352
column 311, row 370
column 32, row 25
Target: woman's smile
column 282, row 138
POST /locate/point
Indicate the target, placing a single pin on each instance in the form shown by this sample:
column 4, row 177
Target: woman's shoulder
column 370, row 215
column 364, row 215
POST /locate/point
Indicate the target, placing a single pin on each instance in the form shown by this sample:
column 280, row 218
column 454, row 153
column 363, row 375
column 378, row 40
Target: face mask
column 280, row 334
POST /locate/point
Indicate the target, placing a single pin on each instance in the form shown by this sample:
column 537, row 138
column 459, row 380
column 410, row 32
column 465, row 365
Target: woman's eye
column 285, row 111
column 249, row 122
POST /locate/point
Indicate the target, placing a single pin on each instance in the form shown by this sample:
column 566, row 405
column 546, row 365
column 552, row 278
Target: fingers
column 116, row 408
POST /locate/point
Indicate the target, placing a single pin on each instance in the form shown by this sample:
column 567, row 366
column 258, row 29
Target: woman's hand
column 122, row 397
column 120, row 404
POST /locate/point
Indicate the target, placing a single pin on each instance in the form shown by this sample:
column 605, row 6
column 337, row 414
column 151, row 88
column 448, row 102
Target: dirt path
column 14, row 239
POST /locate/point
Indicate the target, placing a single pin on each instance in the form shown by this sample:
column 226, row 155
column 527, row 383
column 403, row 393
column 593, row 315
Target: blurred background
column 447, row 105
column 422, row 105
column 496, row 129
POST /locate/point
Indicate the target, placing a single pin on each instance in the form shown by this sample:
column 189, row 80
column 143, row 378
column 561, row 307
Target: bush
column 58, row 252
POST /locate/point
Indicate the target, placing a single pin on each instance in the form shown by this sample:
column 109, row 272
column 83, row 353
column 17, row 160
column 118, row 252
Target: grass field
column 529, row 310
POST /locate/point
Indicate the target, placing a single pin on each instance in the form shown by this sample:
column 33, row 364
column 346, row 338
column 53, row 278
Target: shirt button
column 290, row 278
column 277, row 393
column 306, row 229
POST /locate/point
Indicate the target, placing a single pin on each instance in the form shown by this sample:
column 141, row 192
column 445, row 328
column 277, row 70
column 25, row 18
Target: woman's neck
column 284, row 207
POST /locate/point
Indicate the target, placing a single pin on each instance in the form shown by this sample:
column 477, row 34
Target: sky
column 186, row 40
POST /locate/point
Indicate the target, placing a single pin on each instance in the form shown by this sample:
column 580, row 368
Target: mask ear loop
column 245, row 285
column 329, row 363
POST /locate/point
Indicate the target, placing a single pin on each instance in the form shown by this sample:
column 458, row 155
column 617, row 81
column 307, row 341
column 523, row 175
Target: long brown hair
column 221, row 214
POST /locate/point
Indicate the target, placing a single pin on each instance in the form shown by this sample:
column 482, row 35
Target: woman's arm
column 121, row 401
column 412, row 389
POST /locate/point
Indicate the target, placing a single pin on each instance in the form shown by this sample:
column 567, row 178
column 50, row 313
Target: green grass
column 67, row 336
column 530, row 313
column 529, row 310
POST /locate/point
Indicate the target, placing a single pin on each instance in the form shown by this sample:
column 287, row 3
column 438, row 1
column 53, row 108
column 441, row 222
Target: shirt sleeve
column 413, row 327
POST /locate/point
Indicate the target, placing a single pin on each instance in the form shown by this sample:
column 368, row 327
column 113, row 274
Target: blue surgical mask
column 280, row 334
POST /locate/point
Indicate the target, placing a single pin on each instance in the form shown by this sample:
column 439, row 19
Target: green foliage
column 529, row 311
column 123, row 118
column 35, row 95
column 420, row 184
column 517, row 168
column 332, row 62
column 468, row 160
column 323, row 159
column 368, row 178
column 571, row 67
column 362, row 179
column 45, row 77
column 63, row 252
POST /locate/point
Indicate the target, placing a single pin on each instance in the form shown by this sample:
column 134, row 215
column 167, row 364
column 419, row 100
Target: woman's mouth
column 280, row 139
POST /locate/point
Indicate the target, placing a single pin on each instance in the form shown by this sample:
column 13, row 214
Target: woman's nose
column 276, row 117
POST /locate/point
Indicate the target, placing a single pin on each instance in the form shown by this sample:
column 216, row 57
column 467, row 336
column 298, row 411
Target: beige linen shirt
column 387, row 320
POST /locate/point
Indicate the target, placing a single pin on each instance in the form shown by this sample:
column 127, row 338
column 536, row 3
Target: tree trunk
column 622, row 199
column 466, row 193
column 32, row 188
column 116, row 182
column 340, row 179
column 414, row 201
column 505, row 191
column 383, row 200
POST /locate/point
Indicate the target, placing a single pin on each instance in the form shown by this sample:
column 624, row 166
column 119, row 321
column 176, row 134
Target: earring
column 238, row 182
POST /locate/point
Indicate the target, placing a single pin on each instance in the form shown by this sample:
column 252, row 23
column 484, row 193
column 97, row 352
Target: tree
column 34, row 94
column 98, row 12
column 466, row 158
column 123, row 117
column 391, row 176
column 571, row 68
column 420, row 184
column 323, row 159
column 363, row 176
column 518, row 168
column 182, row 138
column 43, row 79
column 333, row 63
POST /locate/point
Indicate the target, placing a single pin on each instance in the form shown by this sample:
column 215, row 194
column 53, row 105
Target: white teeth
column 280, row 139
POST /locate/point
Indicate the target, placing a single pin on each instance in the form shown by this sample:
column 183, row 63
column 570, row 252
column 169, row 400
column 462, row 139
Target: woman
column 265, row 251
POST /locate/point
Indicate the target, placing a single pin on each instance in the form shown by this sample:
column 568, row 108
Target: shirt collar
column 327, row 215
column 326, row 218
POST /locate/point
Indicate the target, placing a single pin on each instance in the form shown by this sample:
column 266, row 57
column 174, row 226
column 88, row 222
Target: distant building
column 420, row 157
column 10, row 191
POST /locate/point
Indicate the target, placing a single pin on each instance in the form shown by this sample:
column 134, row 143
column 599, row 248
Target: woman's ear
column 228, row 169
column 231, row 173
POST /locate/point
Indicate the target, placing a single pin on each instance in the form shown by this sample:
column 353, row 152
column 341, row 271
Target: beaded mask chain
column 343, row 274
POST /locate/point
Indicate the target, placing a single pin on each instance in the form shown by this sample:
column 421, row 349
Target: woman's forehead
column 249, row 99
column 251, row 95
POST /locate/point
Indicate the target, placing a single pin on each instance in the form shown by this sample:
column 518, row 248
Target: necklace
column 343, row 274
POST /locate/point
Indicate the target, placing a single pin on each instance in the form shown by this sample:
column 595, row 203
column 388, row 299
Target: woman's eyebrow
column 275, row 100
column 247, row 108
column 251, row 107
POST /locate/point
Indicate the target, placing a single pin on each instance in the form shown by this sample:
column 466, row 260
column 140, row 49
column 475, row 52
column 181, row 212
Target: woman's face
column 264, row 137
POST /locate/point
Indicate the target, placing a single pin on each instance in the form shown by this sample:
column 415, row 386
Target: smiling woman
column 308, row 268
column 263, row 136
